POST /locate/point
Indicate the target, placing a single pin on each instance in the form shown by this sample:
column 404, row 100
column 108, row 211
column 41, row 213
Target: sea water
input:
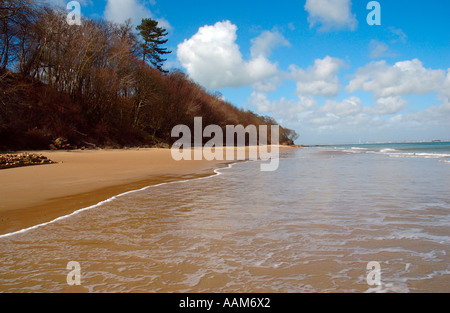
column 311, row 226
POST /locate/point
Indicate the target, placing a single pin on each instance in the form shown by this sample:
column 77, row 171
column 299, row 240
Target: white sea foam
column 433, row 155
column 415, row 154
column 387, row 150
column 394, row 153
column 389, row 288
column 358, row 150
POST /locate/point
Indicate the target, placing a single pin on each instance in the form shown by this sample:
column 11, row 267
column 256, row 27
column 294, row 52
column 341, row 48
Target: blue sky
column 316, row 66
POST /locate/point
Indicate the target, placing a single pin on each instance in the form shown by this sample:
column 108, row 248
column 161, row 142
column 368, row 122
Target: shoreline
column 35, row 195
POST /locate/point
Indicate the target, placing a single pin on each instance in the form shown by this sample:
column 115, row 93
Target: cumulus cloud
column 388, row 117
column 350, row 118
column 346, row 115
column 389, row 105
column 331, row 14
column 269, row 84
column 403, row 78
column 121, row 10
column 432, row 116
column 347, row 107
column 282, row 109
column 260, row 101
column 320, row 79
column 213, row 58
column 266, row 42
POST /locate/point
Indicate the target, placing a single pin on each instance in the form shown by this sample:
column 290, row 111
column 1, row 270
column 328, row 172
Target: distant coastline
column 378, row 142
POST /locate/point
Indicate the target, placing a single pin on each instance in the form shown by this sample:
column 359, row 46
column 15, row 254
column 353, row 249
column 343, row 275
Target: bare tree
column 15, row 18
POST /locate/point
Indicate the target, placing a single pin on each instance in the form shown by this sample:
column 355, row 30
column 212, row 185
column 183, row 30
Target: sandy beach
column 38, row 194
column 313, row 225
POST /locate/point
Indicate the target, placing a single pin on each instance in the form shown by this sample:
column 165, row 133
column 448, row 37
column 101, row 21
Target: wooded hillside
column 90, row 84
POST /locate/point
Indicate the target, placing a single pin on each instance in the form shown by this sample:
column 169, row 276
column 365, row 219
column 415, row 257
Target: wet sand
column 313, row 225
column 38, row 194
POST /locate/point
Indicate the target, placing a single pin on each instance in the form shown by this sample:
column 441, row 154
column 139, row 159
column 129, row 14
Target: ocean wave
column 434, row 155
column 403, row 154
column 359, row 149
column 388, row 150
column 419, row 155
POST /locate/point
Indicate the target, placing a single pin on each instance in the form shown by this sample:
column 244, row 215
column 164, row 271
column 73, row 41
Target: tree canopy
column 153, row 39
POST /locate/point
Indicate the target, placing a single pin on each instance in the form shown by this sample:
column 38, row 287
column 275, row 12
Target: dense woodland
column 93, row 85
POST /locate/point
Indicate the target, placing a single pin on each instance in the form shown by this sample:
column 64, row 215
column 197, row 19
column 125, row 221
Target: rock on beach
column 22, row 159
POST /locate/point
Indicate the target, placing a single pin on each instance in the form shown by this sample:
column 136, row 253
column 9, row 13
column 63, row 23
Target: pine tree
column 152, row 36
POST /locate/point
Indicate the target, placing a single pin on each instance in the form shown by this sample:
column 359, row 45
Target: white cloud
column 282, row 109
column 320, row 79
column 121, row 10
column 389, row 118
column 331, row 14
column 403, row 78
column 270, row 84
column 266, row 42
column 386, row 119
column 432, row 116
column 213, row 59
column 398, row 35
column 347, row 107
column 260, row 101
column 346, row 117
column 389, row 105
column 379, row 49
